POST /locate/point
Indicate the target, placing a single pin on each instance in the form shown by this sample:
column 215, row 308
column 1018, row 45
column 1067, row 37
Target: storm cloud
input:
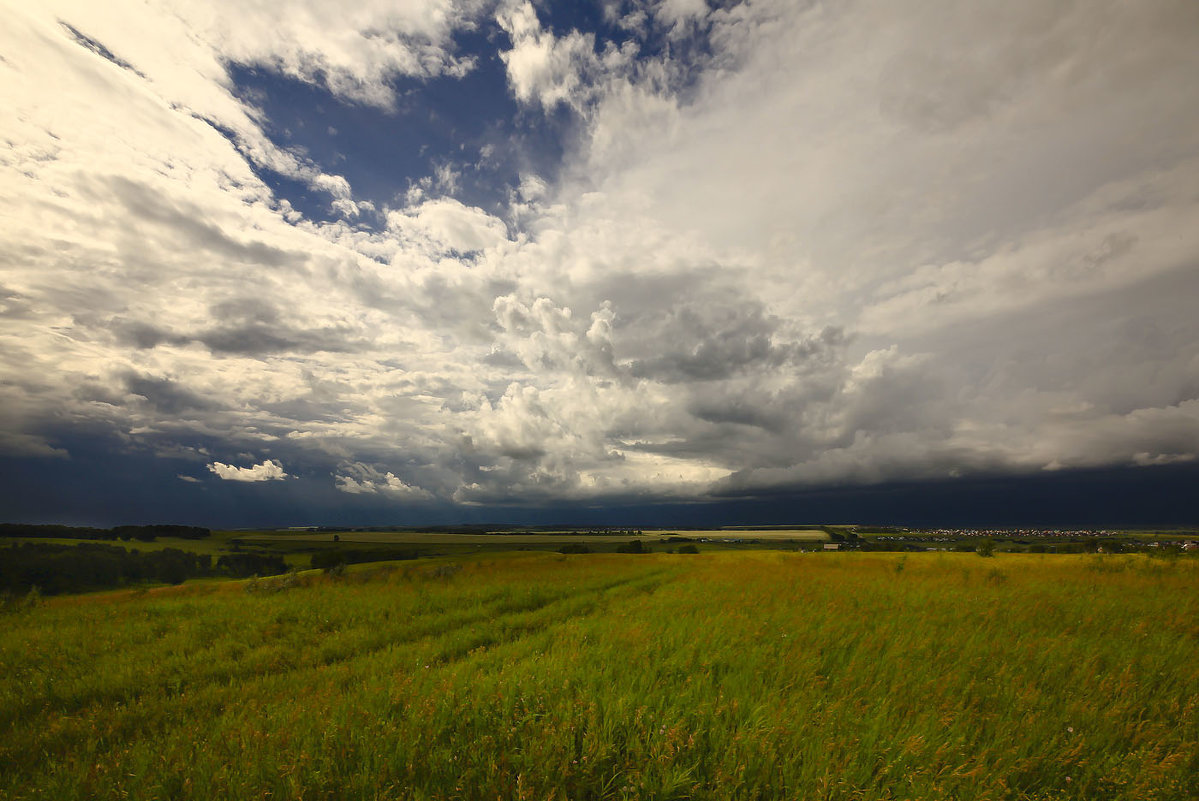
column 651, row 255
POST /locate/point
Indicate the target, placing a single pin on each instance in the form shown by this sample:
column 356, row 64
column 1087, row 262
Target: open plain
column 539, row 675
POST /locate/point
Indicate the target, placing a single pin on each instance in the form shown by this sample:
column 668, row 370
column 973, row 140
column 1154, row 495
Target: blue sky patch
column 469, row 128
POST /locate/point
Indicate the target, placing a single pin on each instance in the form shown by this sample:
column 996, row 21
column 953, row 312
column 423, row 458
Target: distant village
column 1041, row 540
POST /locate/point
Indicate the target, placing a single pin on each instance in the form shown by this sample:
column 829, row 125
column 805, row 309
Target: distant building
column 832, row 546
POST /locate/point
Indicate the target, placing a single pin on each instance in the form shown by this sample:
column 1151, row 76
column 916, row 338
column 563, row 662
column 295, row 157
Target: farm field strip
column 214, row 546
column 805, row 534
column 736, row 675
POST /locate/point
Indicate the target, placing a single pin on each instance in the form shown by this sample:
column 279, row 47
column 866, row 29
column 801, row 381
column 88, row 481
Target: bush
column 15, row 603
column 633, row 546
column 574, row 547
column 986, row 548
column 688, row 549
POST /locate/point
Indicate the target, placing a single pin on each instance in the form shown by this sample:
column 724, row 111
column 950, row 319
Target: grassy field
column 723, row 675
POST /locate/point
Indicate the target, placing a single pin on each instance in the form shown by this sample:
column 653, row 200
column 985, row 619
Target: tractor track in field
column 499, row 622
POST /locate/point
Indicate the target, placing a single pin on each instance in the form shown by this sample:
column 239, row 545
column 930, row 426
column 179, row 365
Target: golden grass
column 724, row 675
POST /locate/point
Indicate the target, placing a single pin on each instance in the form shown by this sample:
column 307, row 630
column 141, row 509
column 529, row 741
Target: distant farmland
column 601, row 676
column 523, row 538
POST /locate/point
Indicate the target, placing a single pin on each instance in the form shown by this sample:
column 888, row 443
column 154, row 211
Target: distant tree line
column 331, row 558
column 57, row 568
column 244, row 565
column 142, row 533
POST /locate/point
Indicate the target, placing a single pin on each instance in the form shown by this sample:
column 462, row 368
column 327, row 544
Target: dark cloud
column 245, row 310
column 13, row 304
column 167, row 396
column 189, row 224
column 99, row 49
column 740, row 411
column 249, row 340
column 704, row 348
column 504, row 359
column 102, row 484
column 706, row 330
column 244, row 338
column 144, row 335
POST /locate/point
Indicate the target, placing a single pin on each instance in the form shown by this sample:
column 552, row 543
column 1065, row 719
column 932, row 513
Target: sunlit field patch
column 729, row 675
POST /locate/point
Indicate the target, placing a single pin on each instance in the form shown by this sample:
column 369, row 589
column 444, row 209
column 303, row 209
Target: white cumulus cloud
column 270, row 470
column 363, row 479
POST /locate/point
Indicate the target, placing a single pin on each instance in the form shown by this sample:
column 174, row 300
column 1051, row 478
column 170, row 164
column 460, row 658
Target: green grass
column 723, row 675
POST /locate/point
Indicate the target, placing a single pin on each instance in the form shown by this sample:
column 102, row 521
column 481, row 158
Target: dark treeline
column 56, row 568
column 143, row 533
column 498, row 529
column 244, row 565
column 333, row 557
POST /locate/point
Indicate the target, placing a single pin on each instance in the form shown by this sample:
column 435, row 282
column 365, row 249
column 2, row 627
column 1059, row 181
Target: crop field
column 214, row 546
column 508, row 539
column 804, row 534
column 746, row 675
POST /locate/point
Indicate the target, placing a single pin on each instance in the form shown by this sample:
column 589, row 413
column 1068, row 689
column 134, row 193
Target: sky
column 268, row 263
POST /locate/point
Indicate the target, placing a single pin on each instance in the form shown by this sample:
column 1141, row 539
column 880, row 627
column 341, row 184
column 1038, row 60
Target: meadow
column 736, row 675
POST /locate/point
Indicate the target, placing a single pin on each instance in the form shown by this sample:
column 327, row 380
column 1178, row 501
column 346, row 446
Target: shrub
column 688, row 549
column 633, row 546
column 574, row 547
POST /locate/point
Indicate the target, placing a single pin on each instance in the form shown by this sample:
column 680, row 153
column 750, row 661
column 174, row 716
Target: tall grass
column 741, row 675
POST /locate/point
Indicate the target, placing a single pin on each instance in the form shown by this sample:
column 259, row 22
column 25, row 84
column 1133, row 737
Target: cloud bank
column 786, row 246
